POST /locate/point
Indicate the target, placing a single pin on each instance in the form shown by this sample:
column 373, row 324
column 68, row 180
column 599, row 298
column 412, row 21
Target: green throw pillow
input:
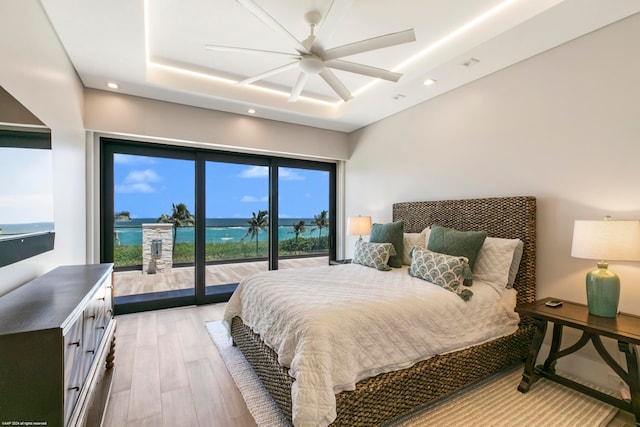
column 457, row 243
column 393, row 233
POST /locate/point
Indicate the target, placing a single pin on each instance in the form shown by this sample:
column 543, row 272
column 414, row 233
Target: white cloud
column 255, row 172
column 289, row 175
column 253, row 199
column 139, row 181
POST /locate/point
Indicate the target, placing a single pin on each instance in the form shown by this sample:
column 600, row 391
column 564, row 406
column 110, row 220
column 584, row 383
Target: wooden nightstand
column 625, row 328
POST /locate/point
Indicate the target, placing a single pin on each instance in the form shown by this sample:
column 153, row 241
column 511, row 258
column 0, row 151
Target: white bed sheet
column 334, row 326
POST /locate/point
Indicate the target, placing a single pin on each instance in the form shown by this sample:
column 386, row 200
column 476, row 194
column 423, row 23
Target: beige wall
column 108, row 112
column 11, row 111
column 562, row 126
column 35, row 70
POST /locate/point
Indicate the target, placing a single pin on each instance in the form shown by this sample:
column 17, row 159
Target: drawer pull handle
column 101, row 299
column 77, row 344
column 109, row 287
column 93, row 316
column 101, row 327
column 74, row 388
column 91, row 351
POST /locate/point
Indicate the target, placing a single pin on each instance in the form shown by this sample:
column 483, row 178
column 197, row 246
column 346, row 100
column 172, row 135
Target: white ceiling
column 156, row 49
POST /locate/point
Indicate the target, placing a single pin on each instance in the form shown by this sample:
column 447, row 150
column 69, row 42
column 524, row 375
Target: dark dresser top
column 51, row 300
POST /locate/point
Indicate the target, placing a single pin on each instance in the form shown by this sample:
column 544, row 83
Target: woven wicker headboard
column 507, row 217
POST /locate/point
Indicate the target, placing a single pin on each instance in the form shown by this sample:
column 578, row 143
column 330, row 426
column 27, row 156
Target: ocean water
column 32, row 227
column 218, row 230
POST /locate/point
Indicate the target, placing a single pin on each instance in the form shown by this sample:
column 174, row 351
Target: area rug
column 494, row 401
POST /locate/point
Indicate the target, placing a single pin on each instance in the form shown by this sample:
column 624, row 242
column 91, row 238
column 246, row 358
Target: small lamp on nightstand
column 359, row 225
column 605, row 240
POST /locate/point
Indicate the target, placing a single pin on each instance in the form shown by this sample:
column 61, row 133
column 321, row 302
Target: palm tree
column 320, row 221
column 297, row 230
column 180, row 216
column 257, row 223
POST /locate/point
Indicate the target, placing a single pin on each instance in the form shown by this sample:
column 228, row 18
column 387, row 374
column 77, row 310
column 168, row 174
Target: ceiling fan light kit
column 313, row 61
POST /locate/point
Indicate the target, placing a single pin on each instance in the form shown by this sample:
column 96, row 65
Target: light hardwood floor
column 169, row 373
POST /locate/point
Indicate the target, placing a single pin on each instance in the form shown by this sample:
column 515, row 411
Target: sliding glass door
column 148, row 224
column 185, row 226
column 237, row 222
column 304, row 222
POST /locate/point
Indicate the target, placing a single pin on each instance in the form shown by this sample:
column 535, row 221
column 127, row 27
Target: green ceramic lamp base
column 603, row 291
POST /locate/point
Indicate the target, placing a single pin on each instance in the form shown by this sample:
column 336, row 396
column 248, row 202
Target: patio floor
column 136, row 282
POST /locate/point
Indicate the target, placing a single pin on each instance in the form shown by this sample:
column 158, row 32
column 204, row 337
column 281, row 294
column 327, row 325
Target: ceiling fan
column 312, row 59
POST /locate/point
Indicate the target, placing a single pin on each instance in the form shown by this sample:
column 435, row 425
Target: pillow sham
column 515, row 264
column 457, row 243
column 494, row 261
column 413, row 239
column 390, row 233
column 374, row 255
column 443, row 270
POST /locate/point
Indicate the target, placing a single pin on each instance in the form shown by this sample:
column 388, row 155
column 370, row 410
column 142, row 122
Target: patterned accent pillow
column 374, row 255
column 440, row 269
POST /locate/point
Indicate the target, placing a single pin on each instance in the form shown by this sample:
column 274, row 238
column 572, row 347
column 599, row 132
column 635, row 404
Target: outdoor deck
column 136, row 282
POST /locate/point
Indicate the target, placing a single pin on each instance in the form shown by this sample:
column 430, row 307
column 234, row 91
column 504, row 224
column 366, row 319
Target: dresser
column 57, row 344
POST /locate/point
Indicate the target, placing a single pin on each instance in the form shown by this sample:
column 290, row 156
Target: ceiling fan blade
column 367, row 70
column 336, row 84
column 332, row 19
column 252, row 7
column 370, row 44
column 297, row 89
column 232, row 49
column 268, row 73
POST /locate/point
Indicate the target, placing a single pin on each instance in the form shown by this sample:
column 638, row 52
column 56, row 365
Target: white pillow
column 414, row 239
column 494, row 262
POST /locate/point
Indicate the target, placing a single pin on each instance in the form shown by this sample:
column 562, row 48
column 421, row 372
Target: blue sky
column 147, row 186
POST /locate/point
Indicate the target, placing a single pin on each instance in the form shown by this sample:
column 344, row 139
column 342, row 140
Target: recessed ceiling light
column 251, row 111
column 113, row 85
column 429, row 82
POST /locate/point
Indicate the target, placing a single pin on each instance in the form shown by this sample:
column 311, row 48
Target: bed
column 378, row 399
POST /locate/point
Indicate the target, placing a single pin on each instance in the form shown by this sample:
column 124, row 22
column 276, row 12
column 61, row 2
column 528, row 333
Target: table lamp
column 604, row 241
column 359, row 225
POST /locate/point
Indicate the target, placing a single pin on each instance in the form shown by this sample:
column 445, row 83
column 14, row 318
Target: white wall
column 562, row 126
column 36, row 71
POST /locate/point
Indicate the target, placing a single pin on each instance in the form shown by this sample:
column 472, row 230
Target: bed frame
column 382, row 398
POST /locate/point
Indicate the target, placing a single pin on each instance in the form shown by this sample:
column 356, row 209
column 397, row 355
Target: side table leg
column 528, row 376
column 634, row 377
column 552, row 359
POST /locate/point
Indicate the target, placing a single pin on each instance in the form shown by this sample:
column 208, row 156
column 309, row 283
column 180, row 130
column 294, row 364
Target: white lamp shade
column 606, row 240
column 359, row 225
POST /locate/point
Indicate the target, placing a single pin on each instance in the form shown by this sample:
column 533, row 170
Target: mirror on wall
column 26, row 183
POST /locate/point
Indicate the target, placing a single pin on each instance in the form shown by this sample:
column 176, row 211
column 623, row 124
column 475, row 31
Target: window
column 185, row 225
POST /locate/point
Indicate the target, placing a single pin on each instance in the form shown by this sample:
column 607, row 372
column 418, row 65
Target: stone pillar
column 157, row 264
